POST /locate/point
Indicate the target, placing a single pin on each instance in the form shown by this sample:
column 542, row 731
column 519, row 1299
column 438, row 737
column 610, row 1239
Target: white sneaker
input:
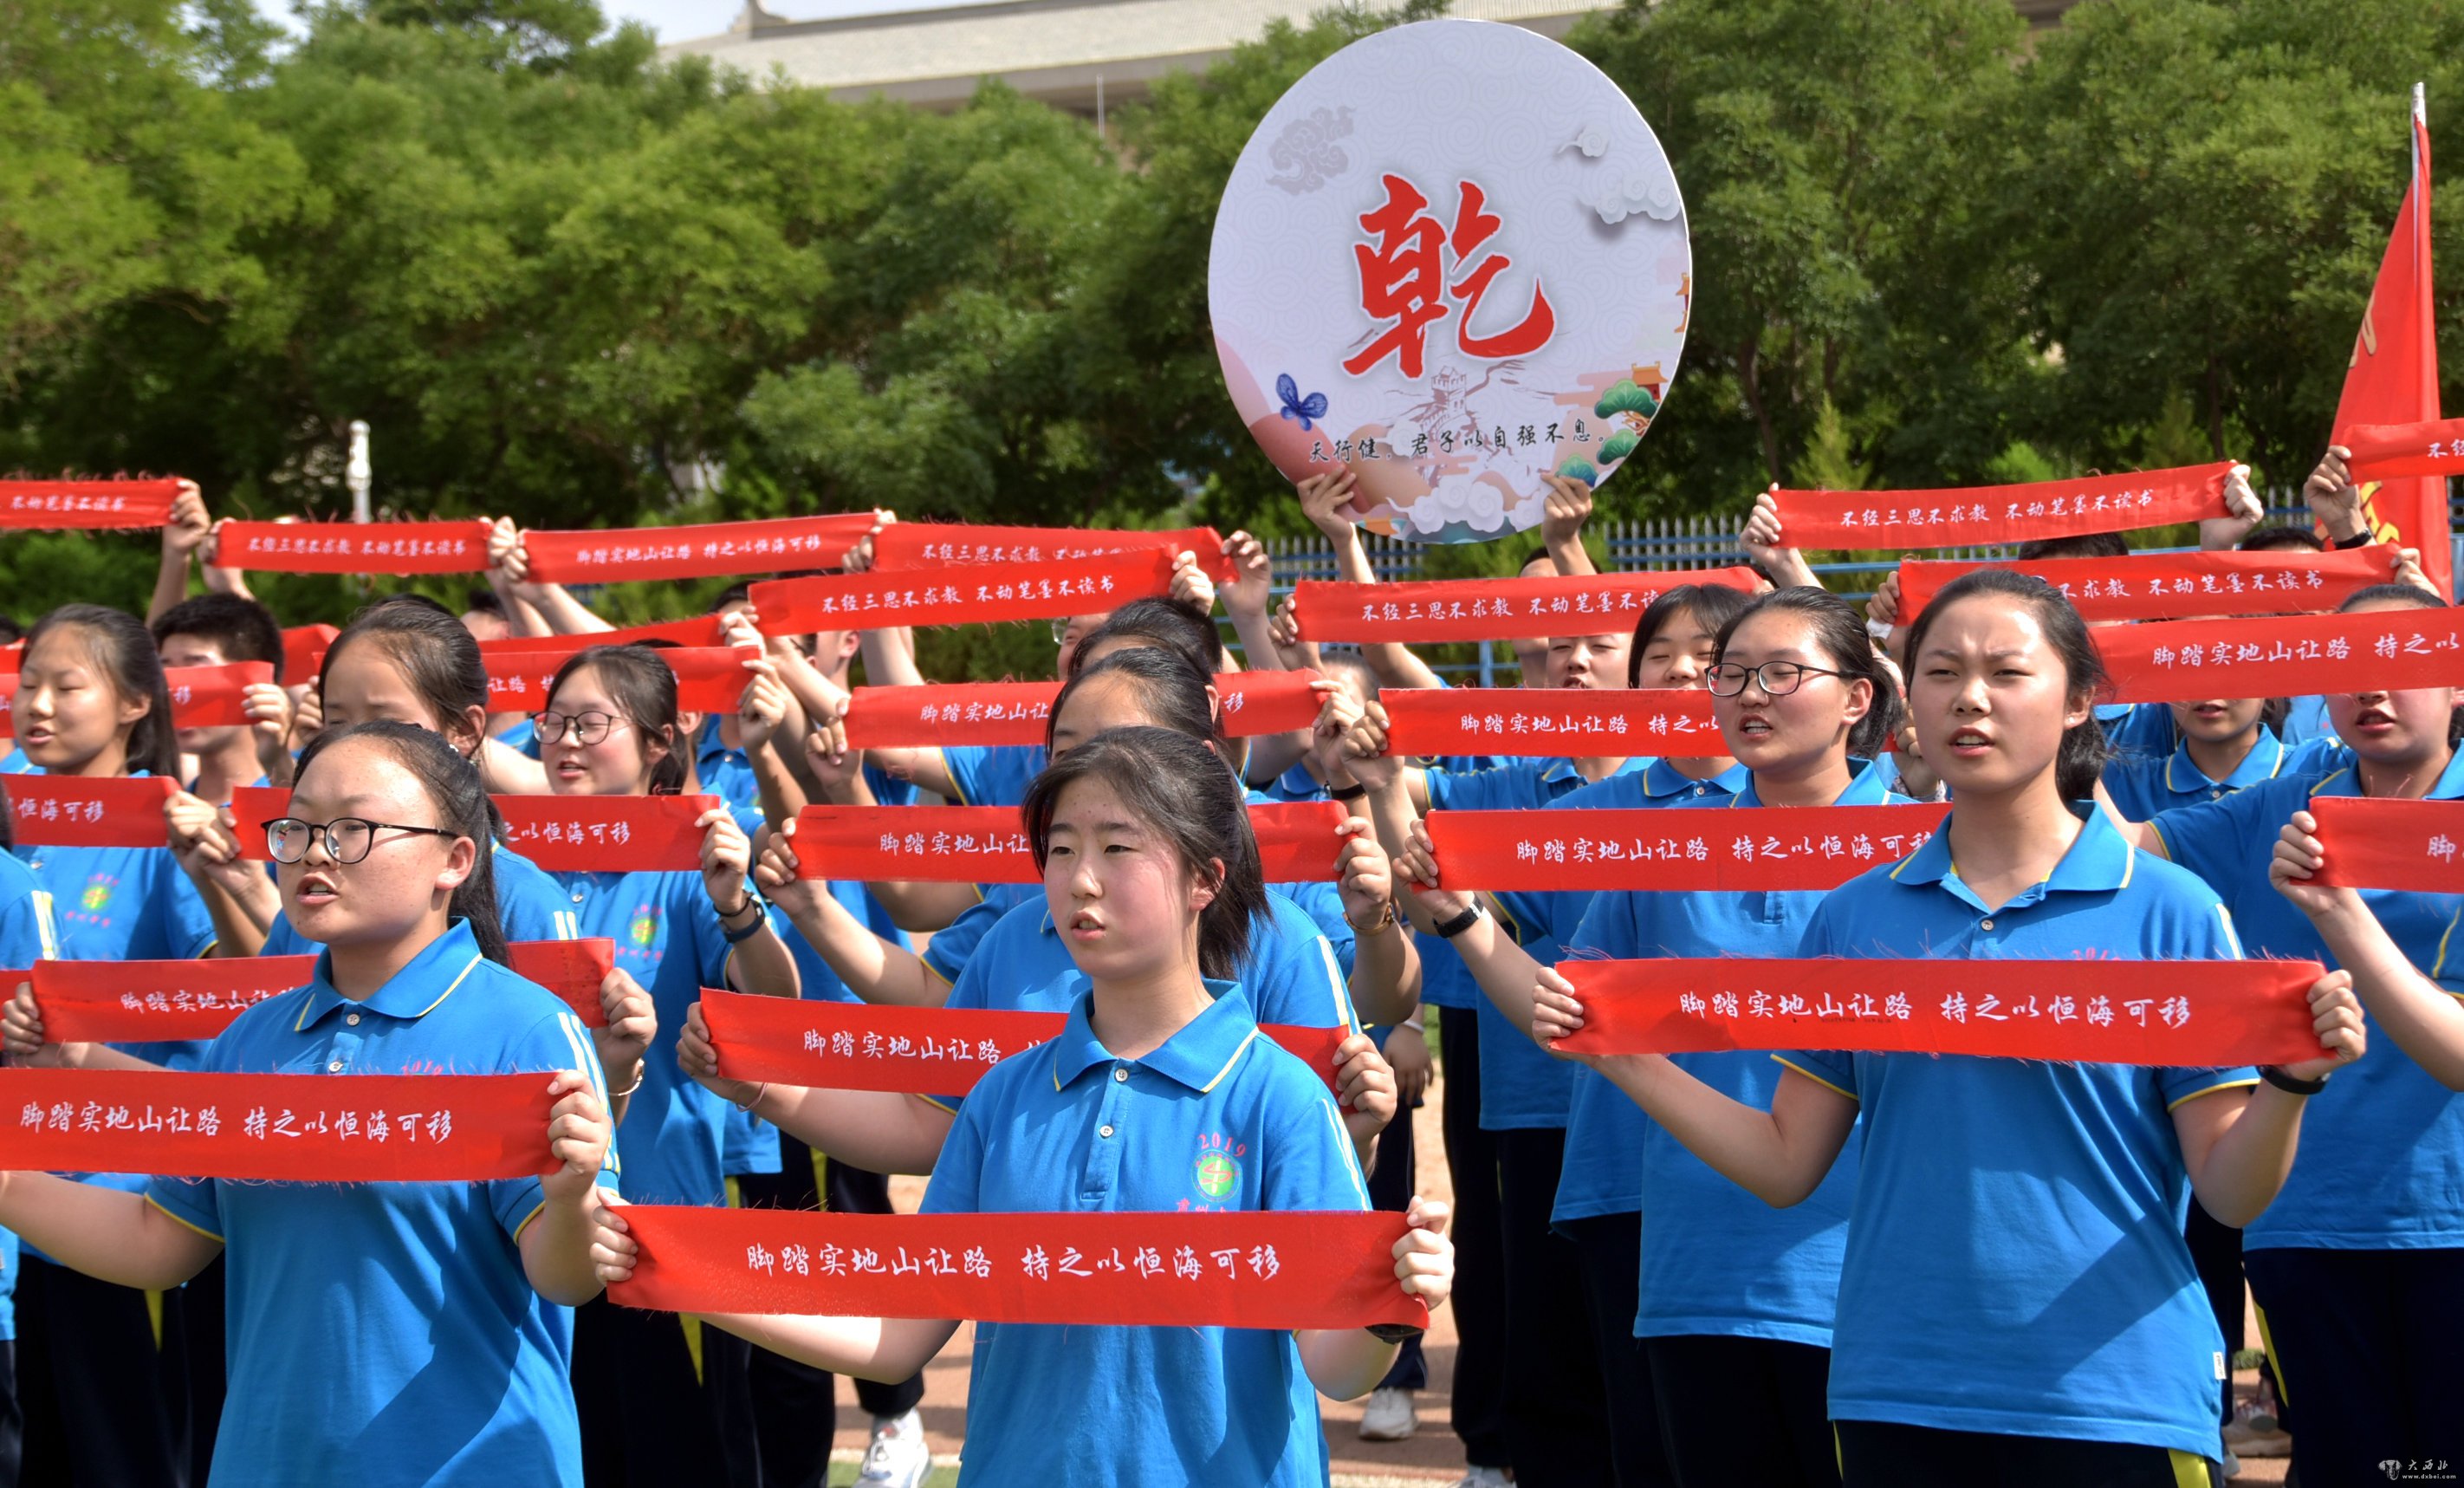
column 1484, row 1477
column 899, row 1456
column 1390, row 1416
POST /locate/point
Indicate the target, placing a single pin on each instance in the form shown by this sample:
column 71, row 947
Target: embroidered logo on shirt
column 1218, row 1170
column 97, row 897
column 645, row 927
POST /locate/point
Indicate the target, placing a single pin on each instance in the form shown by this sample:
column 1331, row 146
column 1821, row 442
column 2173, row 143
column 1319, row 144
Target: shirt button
column 1120, row 1073
column 577, row 898
column 2216, row 795
column 1104, row 1131
column 353, row 1020
column 1699, row 790
column 1986, row 926
column 335, row 1067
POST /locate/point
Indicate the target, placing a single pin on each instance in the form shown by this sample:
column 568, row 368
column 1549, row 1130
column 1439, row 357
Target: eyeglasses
column 1776, row 678
column 1060, row 633
column 348, row 838
column 587, row 728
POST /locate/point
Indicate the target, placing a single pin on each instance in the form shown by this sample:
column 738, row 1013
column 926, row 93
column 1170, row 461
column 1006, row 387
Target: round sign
column 1452, row 258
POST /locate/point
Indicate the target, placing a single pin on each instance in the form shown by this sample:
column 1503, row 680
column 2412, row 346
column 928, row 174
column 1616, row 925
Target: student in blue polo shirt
column 2016, row 1297
column 25, row 938
column 1144, row 841
column 385, row 1331
column 2421, row 1016
column 2364, row 1251
column 2225, row 745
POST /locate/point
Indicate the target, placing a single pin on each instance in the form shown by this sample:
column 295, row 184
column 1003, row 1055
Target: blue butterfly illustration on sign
column 1297, row 407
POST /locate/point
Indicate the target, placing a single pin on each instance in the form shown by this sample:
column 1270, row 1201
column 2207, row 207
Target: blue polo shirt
column 387, row 1331
column 992, row 774
column 2382, row 1159
column 1522, row 1085
column 1217, row 1118
column 950, row 950
column 668, row 939
column 15, row 763
column 1715, row 1259
column 25, row 938
column 1319, row 899
column 1603, row 1127
column 2143, row 784
column 529, row 906
column 2014, row 1260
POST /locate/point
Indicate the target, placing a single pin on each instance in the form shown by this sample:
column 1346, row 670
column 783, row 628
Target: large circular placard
column 1453, row 257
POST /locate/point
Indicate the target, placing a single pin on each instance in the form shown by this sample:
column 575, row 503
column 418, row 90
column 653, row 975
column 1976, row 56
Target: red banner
column 69, row 810
column 142, row 1001
column 2190, row 660
column 987, row 844
column 929, row 545
column 354, row 546
column 1010, row 592
column 8, row 704
column 934, row 1051
column 708, row 550
column 2388, row 844
column 297, row 1128
column 1251, row 1270
column 214, row 697
column 699, row 631
column 1471, row 610
column 53, row 505
column 1813, row 847
column 709, row 679
column 621, row 833
column 2182, row 1013
column 2179, row 585
column 303, row 653
column 1671, row 721
column 1256, row 703
column 572, row 969
column 1019, row 713
column 2381, row 452
column 1977, row 515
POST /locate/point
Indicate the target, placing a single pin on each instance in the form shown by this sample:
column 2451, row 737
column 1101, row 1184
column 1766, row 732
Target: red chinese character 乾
column 1474, row 227
column 1402, row 279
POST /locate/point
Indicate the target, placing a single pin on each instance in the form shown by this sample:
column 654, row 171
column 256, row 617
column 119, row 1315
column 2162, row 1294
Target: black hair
column 460, row 796
column 433, row 651
column 11, row 631
column 2084, row 750
column 7, row 824
column 121, row 647
column 482, row 600
column 2087, row 544
column 1170, row 687
column 1158, row 622
column 644, row 688
column 242, row 629
column 737, row 593
column 1711, row 605
column 2280, row 537
column 2414, row 599
column 1183, row 793
column 1839, row 634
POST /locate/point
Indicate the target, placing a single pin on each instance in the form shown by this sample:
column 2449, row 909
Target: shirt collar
column 1661, row 779
column 2099, row 861
column 2265, row 758
column 1562, row 768
column 1866, row 786
column 710, row 746
column 432, row 976
column 1198, row 1056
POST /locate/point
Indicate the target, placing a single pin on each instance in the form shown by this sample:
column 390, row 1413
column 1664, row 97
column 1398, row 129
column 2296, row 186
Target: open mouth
column 315, row 890
column 2373, row 720
column 1086, row 924
column 1754, row 727
column 1970, row 742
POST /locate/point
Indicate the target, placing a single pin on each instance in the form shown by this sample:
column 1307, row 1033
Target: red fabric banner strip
column 1521, row 720
column 969, row 595
column 929, row 1051
column 1306, row 1270
column 140, row 1001
column 699, row 631
column 66, row 810
column 1019, row 713
column 2179, row 585
column 2184, row 1013
column 1815, row 847
column 1256, row 703
column 908, row 545
column 214, row 697
column 2260, row 657
column 2385, row 844
column 709, row 679
column 1471, row 610
column 53, row 505
column 987, row 844
column 303, row 653
column 298, row 1129
column 707, row 550
column 354, row 546
column 560, row 833
column 2381, row 452
column 1973, row 516
column 572, row 969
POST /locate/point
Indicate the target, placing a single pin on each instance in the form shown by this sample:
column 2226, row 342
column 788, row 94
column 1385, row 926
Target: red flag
column 2393, row 376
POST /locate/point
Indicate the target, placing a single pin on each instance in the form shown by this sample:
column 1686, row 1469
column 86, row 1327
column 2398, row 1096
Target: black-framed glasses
column 348, row 838
column 1777, row 678
column 587, row 728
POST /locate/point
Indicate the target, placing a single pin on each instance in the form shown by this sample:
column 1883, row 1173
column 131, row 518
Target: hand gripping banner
column 2383, row 844
column 1472, row 610
column 716, row 550
column 1020, row 713
column 938, row 1050
column 1431, row 722
column 931, row 545
column 1303, row 1270
column 2179, row 585
column 987, row 844
column 354, row 546
column 69, row 810
column 2186, row 1014
column 968, row 595
column 2381, row 452
column 560, row 833
column 300, row 1128
column 2190, row 660
column 1980, row 516
column 709, row 679
column 55, row 505
column 1815, row 847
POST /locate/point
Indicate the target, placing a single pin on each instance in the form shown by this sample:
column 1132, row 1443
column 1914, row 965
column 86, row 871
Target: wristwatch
column 1447, row 930
column 2288, row 1084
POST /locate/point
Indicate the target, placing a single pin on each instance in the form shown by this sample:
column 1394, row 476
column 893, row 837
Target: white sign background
column 1584, row 198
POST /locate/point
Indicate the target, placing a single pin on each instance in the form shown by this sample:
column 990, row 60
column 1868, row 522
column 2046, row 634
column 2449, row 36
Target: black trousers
column 2215, row 1249
column 104, row 1403
column 1556, row 1409
column 795, row 1406
column 1390, row 1188
column 1611, row 1246
column 2364, row 1343
column 1882, row 1455
column 12, row 1418
column 1744, row 1410
column 650, row 1418
column 1478, row 1298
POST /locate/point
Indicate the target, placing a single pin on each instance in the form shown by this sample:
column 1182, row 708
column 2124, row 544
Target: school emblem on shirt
column 1218, row 1171
column 97, row 897
column 645, row 927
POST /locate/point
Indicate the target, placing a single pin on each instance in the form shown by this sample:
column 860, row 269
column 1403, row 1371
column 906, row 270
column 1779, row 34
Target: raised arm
column 1562, row 515
column 873, row 970
column 878, row 1130
column 2424, row 1019
column 2238, row 1145
column 1763, row 542
column 1322, row 501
